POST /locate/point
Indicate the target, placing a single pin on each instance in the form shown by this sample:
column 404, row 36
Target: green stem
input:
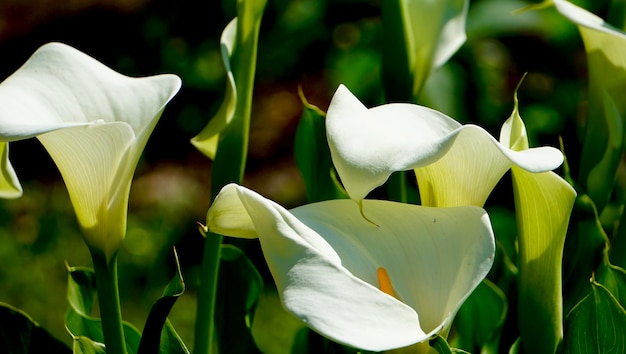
column 229, row 164
column 207, row 294
column 397, row 187
column 397, row 72
column 109, row 300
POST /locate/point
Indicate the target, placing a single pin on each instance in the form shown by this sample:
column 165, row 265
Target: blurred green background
column 313, row 43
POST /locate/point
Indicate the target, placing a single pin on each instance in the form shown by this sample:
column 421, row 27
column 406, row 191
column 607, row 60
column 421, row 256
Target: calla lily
column 94, row 122
column 455, row 164
column 379, row 285
column 543, row 204
column 604, row 132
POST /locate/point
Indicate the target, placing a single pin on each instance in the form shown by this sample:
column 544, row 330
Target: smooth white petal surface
column 455, row 165
column 324, row 258
column 367, row 145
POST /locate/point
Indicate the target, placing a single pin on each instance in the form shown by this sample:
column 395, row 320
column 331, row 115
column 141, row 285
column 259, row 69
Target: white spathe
column 324, row 258
column 367, row 145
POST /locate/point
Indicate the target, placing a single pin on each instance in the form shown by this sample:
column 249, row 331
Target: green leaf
column 596, row 324
column 274, row 329
column 397, row 71
column 81, row 292
column 480, row 319
column 442, row 347
column 84, row 345
column 158, row 335
column 19, row 334
column 239, row 287
column 583, row 249
column 614, row 279
column 601, row 177
column 312, row 155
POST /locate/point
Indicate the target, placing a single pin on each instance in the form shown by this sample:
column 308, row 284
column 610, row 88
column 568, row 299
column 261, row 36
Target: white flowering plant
column 424, row 223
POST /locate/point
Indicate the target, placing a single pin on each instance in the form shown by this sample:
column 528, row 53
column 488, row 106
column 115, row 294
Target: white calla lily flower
column 367, row 145
column 94, row 122
column 543, row 204
column 379, row 285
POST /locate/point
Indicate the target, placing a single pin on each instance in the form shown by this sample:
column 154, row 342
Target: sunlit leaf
column 84, row 345
column 479, row 321
column 78, row 320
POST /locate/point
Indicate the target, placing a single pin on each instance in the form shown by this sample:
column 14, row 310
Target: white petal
column 89, row 159
column 435, row 257
column 472, row 167
column 316, row 288
column 368, row 145
column 228, row 216
column 61, row 87
column 581, row 16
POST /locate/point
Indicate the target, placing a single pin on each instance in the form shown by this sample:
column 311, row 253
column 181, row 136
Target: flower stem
column 207, row 294
column 109, row 301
